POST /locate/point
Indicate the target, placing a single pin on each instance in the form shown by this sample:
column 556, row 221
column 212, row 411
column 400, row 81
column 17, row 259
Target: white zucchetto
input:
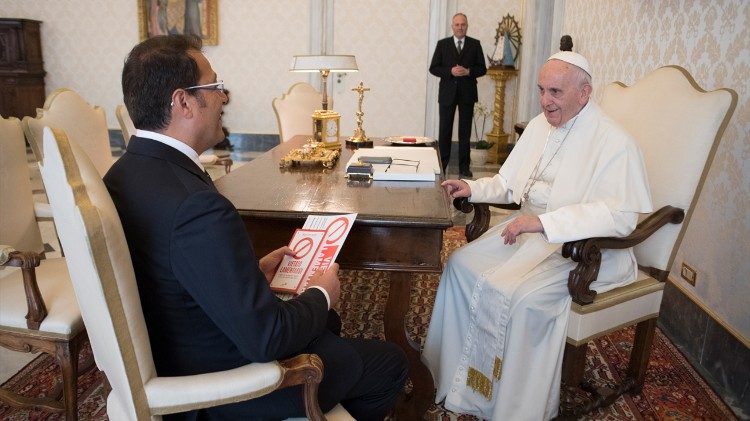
column 572, row 58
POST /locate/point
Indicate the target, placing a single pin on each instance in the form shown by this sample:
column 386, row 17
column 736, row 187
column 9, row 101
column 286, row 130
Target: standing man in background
column 458, row 61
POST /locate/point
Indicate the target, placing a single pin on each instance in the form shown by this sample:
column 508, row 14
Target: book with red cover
column 316, row 246
column 295, row 271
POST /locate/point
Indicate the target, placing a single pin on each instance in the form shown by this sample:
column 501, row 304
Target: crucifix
column 360, row 138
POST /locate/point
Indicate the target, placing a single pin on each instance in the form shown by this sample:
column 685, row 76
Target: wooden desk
column 399, row 228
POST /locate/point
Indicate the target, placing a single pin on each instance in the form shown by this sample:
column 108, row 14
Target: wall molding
column 441, row 12
column 711, row 313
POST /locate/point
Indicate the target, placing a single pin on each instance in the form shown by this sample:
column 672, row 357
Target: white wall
column 388, row 37
column 84, row 44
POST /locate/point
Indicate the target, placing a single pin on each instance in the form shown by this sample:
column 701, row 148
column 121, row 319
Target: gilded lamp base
column 499, row 150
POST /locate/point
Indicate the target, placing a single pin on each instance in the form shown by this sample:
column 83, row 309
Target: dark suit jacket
column 445, row 57
column 207, row 305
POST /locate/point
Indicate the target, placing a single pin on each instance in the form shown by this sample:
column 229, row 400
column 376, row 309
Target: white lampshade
column 337, row 63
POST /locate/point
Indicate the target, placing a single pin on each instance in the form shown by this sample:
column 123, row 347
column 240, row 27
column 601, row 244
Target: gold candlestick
column 359, row 138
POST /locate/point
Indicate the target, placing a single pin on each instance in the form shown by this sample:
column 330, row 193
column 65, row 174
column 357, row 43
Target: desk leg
column 415, row 405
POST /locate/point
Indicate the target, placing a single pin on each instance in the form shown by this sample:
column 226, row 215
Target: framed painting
column 189, row 17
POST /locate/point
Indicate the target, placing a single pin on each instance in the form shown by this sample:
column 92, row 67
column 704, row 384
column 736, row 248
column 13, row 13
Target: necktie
column 208, row 178
column 458, row 47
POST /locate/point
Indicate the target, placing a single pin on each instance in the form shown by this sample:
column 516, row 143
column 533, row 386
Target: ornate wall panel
column 389, row 39
column 257, row 40
column 84, row 44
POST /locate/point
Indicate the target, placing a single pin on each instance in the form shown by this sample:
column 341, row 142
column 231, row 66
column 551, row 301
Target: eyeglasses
column 218, row 86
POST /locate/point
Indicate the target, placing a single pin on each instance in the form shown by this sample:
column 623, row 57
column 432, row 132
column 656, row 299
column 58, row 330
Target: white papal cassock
column 498, row 328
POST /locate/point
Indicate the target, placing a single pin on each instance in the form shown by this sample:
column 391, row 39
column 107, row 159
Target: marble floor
column 11, row 362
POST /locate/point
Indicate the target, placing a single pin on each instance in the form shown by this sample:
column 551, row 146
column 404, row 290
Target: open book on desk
column 316, row 246
column 407, row 163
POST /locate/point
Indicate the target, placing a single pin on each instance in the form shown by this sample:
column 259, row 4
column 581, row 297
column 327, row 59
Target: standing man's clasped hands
column 459, row 71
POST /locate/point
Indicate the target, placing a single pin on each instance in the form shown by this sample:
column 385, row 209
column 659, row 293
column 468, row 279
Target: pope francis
column 497, row 333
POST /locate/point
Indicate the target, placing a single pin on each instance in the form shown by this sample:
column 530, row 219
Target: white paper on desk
column 427, row 159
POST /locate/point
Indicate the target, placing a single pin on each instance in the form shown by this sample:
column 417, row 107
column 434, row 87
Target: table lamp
column 326, row 123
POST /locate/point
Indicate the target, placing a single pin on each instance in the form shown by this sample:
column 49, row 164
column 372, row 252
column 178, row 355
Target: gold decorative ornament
column 311, row 154
column 499, row 151
column 326, row 128
column 359, row 139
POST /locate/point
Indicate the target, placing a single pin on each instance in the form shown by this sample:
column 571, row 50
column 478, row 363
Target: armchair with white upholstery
column 104, row 281
column 128, row 130
column 677, row 126
column 84, row 124
column 295, row 108
column 38, row 309
column 126, row 123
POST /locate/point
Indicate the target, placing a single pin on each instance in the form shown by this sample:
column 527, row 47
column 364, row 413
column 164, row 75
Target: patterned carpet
column 673, row 390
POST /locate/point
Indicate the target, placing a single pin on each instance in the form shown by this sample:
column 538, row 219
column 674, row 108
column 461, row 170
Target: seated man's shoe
column 466, row 173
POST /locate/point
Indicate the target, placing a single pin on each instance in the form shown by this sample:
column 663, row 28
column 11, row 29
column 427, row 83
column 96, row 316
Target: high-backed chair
column 677, row 126
column 104, row 282
column 38, row 309
column 126, row 123
column 86, row 125
column 128, row 129
column 294, row 110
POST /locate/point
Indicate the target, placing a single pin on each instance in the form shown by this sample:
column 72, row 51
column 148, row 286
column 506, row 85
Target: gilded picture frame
column 196, row 17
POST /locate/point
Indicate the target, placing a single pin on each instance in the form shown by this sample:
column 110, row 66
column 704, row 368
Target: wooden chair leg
column 67, row 357
column 639, row 356
column 574, row 363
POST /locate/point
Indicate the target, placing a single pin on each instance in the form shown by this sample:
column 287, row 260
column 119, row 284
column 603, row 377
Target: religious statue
column 360, row 138
column 507, row 43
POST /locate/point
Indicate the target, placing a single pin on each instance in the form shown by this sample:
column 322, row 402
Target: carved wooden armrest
column 305, row 369
column 27, row 261
column 226, row 162
column 587, row 252
column 481, row 221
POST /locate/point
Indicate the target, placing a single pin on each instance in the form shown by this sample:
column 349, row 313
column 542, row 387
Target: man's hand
column 270, row 262
column 459, row 71
column 457, row 188
column 329, row 281
column 520, row 225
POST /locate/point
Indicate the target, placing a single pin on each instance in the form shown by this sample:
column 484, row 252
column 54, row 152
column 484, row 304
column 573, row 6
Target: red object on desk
column 409, row 139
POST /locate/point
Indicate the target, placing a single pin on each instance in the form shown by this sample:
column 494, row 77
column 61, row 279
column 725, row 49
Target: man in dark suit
column 205, row 295
column 458, row 62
